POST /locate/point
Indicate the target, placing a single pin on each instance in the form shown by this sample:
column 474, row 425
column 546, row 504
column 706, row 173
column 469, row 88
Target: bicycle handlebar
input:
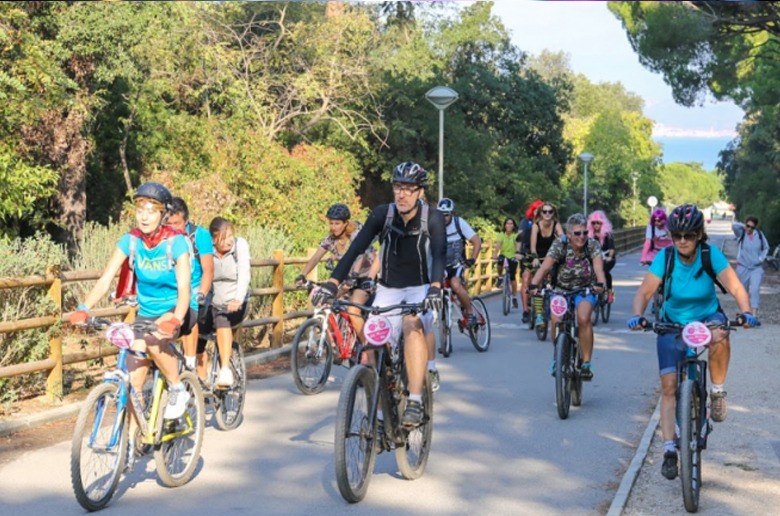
column 100, row 323
column 662, row 327
column 405, row 308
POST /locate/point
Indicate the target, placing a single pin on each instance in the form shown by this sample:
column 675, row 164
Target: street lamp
column 634, row 177
column 586, row 158
column 441, row 97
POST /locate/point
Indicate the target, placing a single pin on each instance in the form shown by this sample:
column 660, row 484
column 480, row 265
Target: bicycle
column 479, row 334
column 101, row 448
column 228, row 402
column 506, row 286
column 313, row 347
column 568, row 354
column 368, row 389
column 602, row 309
column 692, row 408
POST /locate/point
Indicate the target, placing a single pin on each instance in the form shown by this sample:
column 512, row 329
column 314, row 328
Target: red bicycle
column 326, row 337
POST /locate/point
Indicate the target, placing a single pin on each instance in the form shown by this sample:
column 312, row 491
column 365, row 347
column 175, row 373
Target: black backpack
column 760, row 237
column 706, row 266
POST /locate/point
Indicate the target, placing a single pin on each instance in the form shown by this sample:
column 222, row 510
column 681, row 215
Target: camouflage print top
column 576, row 270
column 362, row 265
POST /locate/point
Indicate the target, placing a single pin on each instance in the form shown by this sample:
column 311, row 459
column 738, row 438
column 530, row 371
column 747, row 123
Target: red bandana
column 153, row 240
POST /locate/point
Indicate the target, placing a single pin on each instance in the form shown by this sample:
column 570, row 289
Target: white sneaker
column 177, row 402
column 225, row 377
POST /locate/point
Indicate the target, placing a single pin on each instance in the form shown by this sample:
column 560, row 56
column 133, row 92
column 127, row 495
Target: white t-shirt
column 455, row 244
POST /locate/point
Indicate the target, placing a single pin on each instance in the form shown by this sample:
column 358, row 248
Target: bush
column 19, row 258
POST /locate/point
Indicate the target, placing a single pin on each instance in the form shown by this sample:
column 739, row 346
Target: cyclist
column 162, row 270
column 202, row 271
column 229, row 305
column 458, row 233
column 656, row 236
column 506, row 247
column 690, row 296
column 523, row 254
column 343, row 232
column 412, row 260
column 600, row 229
column 753, row 250
column 545, row 230
column 579, row 263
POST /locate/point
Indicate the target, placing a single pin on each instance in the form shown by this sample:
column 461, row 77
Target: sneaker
column 413, row 414
column 500, row 282
column 433, row 377
column 472, row 320
column 514, row 303
column 177, row 402
column 225, row 378
column 526, row 317
column 718, row 406
column 586, row 372
column 539, row 320
column 669, row 467
column 552, row 368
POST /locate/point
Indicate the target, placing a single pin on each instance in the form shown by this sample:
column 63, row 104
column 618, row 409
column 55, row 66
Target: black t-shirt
column 405, row 256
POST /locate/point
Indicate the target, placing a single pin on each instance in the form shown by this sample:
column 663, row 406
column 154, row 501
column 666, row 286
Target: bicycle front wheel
column 230, row 411
column 445, row 335
column 311, row 357
column 413, row 455
column 480, row 333
column 507, row 294
column 99, row 447
column 606, row 310
column 563, row 374
column 176, row 456
column 596, row 312
column 355, row 440
column 690, row 452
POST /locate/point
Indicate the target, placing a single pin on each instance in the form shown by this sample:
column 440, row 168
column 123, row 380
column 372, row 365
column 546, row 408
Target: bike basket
column 696, row 334
column 120, row 335
column 559, row 305
column 378, row 330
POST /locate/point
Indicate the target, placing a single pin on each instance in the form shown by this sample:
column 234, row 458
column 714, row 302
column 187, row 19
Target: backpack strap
column 666, row 283
column 458, row 228
column 191, row 229
column 706, row 266
column 134, row 251
column 761, row 238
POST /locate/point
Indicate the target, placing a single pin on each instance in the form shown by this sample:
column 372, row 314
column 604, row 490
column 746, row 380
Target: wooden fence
column 481, row 279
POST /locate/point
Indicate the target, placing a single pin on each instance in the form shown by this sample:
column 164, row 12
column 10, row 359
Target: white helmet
column 446, row 205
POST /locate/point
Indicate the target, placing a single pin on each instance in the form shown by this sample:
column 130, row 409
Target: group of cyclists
column 189, row 281
column 192, row 281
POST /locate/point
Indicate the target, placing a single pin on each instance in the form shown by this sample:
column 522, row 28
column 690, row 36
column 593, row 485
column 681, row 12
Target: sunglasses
column 548, row 212
column 684, row 236
column 749, row 226
column 595, row 223
column 579, row 233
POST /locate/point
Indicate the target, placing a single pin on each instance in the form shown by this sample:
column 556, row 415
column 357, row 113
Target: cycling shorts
column 671, row 348
column 455, row 271
column 186, row 325
column 216, row 319
column 512, row 266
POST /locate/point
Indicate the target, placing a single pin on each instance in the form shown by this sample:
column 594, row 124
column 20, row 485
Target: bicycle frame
column 341, row 331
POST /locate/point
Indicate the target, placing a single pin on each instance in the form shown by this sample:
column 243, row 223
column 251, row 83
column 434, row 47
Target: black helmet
column 411, row 173
column 446, row 205
column 338, row 212
column 156, row 192
column 686, row 217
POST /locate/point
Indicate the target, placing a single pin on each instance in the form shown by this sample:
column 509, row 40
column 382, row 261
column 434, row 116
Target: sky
column 598, row 48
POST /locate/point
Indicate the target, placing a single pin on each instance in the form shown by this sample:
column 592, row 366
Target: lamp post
column 586, row 158
column 441, row 97
column 634, row 177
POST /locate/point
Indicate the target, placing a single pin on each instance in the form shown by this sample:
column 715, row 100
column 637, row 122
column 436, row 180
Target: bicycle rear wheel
column 576, row 376
column 230, row 409
column 563, row 374
column 606, row 310
column 311, row 357
column 480, row 334
column 355, row 439
column 596, row 312
column 541, row 329
column 690, row 452
column 413, row 455
column 445, row 332
column 177, row 454
column 99, row 448
column 507, row 294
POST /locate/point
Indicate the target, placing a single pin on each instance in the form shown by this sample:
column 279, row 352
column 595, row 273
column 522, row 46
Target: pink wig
column 658, row 214
column 606, row 225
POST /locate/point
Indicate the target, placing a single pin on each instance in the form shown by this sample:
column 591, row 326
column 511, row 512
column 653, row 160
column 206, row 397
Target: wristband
column 82, row 307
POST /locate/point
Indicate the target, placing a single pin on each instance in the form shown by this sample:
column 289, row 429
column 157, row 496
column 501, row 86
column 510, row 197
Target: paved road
column 499, row 447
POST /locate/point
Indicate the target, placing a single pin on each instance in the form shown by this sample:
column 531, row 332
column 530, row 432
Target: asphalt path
column 498, row 444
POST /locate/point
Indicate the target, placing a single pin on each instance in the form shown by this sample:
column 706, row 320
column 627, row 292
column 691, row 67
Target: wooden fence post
column 54, row 381
column 277, row 309
column 313, row 275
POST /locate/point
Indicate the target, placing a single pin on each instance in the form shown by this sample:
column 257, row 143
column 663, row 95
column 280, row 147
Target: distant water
column 703, row 150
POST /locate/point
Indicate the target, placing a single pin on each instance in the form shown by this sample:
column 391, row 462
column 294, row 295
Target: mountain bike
column 369, row 388
column 568, row 354
column 693, row 423
column 506, row 286
column 228, row 402
column 327, row 332
column 479, row 333
column 101, row 448
column 541, row 305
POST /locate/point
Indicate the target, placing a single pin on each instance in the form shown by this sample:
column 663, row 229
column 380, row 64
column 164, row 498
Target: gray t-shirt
column 753, row 249
column 231, row 274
